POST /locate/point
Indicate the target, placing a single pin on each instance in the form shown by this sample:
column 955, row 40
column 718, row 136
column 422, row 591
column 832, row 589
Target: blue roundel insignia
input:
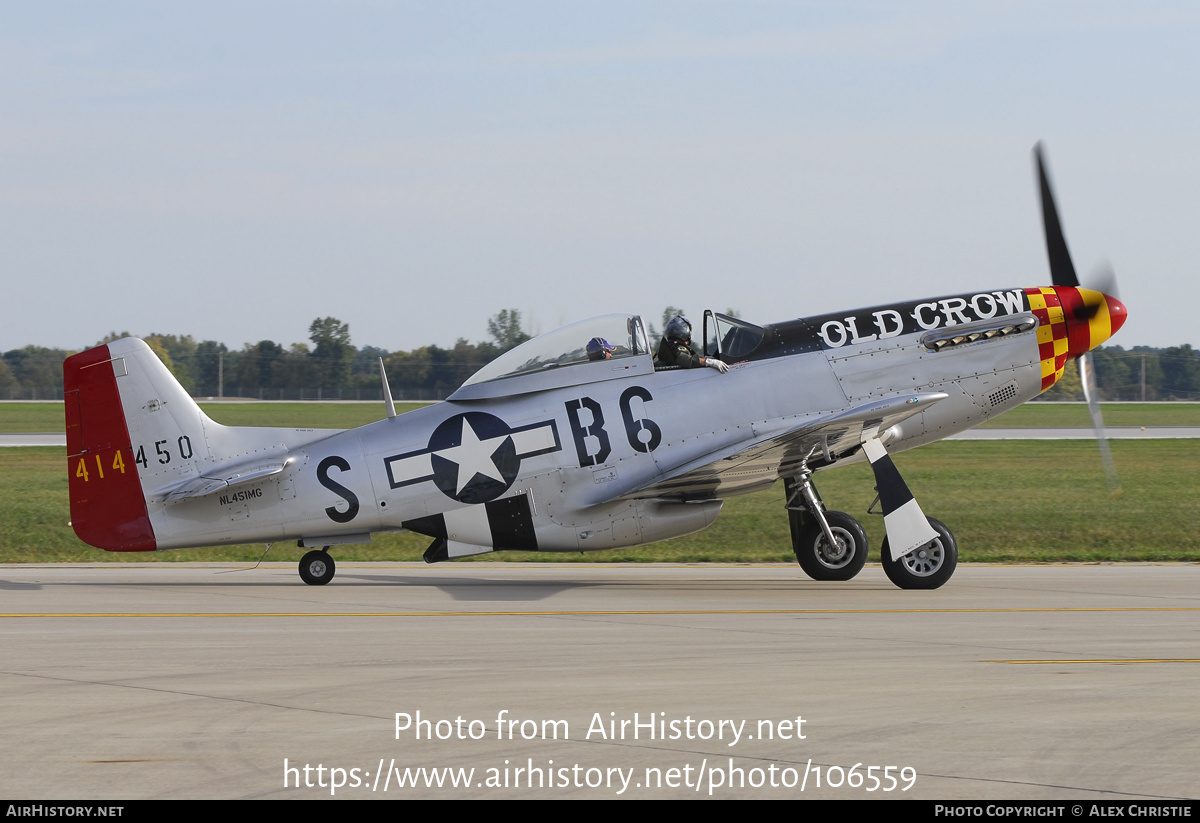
column 473, row 457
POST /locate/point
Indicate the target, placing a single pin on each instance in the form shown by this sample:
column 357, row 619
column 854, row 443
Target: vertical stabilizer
column 108, row 509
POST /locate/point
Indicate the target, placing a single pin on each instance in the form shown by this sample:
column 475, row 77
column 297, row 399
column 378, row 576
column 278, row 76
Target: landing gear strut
column 833, row 546
column 829, row 545
column 317, row 567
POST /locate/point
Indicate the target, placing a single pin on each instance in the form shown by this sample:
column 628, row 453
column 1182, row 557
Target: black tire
column 928, row 567
column 317, row 568
column 843, row 561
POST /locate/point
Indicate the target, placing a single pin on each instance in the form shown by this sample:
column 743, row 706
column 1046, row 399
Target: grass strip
column 1006, row 501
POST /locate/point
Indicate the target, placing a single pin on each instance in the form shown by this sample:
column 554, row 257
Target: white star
column 474, row 456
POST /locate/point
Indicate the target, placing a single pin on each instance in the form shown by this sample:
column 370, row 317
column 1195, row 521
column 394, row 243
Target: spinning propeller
column 1091, row 319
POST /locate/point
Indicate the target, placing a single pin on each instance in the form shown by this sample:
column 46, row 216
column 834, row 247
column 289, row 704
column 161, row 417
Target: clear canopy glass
column 730, row 337
column 567, row 346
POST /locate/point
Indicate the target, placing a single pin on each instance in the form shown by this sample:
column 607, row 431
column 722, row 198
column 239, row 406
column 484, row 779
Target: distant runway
column 1113, row 433
column 131, row 680
column 33, row 439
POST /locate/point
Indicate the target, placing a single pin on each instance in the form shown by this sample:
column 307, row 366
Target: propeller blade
column 1087, row 376
column 1062, row 270
column 1104, row 280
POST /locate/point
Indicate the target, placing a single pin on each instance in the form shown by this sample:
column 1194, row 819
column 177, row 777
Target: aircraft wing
column 754, row 464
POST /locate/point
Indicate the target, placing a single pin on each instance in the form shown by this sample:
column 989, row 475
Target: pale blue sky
column 232, row 171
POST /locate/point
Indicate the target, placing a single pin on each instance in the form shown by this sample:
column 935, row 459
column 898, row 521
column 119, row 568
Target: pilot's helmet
column 679, row 330
column 599, row 349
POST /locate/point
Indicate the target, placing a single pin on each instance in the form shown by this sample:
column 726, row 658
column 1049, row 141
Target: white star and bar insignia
column 473, row 457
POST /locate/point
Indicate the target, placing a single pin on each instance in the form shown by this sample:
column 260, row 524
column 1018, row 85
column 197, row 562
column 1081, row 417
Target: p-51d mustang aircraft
column 548, row 449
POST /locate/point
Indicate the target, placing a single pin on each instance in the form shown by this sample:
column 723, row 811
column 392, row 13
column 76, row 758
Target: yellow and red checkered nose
column 1091, row 317
column 1072, row 321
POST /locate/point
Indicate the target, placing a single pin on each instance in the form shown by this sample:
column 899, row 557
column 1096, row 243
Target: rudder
column 108, row 508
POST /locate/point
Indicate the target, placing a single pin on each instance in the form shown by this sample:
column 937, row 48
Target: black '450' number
column 183, row 446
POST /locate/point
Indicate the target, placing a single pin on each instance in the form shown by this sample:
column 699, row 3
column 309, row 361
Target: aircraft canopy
column 568, row 346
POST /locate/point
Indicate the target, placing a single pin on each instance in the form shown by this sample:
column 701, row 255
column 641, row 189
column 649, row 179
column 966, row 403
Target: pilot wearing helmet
column 676, row 348
column 599, row 349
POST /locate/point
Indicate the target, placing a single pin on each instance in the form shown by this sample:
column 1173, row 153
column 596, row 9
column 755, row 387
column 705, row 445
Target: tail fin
column 131, row 429
column 108, row 508
column 139, row 449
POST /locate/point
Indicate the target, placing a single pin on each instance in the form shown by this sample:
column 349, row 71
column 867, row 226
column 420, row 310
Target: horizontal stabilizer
column 214, row 481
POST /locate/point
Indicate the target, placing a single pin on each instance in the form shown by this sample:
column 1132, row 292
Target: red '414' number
column 82, row 472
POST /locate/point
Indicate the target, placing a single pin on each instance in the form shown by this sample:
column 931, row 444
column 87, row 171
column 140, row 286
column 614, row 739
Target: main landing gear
column 828, row 545
column 317, row 567
column 832, row 545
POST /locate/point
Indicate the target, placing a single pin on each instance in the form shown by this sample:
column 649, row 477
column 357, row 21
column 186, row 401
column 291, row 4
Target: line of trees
column 329, row 366
column 1140, row 373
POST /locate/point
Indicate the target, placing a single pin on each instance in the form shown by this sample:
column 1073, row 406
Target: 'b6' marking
column 592, row 444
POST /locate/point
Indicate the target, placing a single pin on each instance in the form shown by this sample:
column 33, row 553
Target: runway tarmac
column 162, row 680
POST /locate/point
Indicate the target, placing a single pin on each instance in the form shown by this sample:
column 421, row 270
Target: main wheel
column 927, row 567
column 821, row 561
column 317, row 568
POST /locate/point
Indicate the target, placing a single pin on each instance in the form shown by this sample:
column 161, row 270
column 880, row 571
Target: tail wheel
column 927, row 567
column 841, row 561
column 317, row 568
